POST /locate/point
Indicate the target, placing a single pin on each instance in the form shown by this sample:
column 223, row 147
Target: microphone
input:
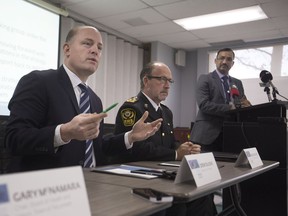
column 235, row 95
column 266, row 77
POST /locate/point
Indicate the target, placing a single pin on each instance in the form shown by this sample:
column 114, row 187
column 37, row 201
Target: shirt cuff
column 127, row 144
column 57, row 137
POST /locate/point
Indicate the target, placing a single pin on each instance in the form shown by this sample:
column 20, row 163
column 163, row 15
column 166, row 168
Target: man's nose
column 95, row 50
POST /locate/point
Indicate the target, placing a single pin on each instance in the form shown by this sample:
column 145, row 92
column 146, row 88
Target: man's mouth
column 164, row 92
column 92, row 59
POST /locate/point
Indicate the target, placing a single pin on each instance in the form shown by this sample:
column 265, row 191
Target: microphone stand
column 274, row 94
column 267, row 90
column 274, row 91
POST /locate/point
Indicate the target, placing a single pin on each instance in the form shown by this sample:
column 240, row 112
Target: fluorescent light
column 222, row 18
column 50, row 7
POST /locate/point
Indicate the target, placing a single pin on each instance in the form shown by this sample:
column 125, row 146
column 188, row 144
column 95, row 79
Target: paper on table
column 124, row 170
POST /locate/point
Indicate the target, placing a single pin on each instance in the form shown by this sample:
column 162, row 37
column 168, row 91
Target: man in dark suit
column 156, row 79
column 46, row 128
column 214, row 100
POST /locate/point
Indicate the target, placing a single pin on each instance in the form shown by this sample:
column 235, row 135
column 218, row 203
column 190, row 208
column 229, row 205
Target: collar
column 73, row 77
column 221, row 75
column 152, row 102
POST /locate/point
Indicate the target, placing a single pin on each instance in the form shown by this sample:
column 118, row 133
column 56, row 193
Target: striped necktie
column 226, row 89
column 84, row 107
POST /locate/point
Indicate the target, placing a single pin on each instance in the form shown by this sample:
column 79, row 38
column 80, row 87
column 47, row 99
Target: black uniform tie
column 159, row 111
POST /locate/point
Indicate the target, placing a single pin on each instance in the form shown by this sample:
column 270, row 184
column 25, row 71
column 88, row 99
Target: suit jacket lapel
column 66, row 84
column 94, row 105
column 218, row 83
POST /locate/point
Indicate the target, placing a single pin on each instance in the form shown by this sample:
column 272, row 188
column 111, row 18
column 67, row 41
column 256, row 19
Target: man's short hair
column 147, row 71
column 225, row 50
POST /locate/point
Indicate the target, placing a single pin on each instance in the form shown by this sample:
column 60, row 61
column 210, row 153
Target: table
column 183, row 192
column 108, row 199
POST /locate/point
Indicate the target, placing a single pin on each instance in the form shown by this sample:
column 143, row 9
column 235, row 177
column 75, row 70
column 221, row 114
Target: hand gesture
column 142, row 130
column 82, row 127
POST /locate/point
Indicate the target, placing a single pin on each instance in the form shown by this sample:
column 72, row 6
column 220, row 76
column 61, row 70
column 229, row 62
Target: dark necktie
column 226, row 89
column 84, row 107
column 159, row 111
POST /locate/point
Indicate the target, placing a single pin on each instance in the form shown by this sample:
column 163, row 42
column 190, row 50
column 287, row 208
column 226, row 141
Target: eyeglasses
column 162, row 79
column 222, row 58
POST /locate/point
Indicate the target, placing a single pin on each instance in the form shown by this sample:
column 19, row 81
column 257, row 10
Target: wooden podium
column 263, row 126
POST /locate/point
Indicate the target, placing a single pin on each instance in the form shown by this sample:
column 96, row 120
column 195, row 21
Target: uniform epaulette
column 132, row 99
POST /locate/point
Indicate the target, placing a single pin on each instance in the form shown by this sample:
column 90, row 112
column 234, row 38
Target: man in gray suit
column 214, row 98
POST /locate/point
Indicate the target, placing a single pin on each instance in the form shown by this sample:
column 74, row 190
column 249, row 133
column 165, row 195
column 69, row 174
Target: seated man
column 156, row 79
column 56, row 120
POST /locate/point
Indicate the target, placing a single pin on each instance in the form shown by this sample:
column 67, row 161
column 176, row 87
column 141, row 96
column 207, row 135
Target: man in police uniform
column 156, row 79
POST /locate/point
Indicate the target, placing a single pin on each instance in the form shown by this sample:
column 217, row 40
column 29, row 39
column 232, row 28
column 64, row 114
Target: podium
column 263, row 126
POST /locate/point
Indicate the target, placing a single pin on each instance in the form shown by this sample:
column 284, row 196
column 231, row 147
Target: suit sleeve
column 25, row 133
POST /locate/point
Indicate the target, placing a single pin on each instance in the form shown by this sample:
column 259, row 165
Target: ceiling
column 151, row 20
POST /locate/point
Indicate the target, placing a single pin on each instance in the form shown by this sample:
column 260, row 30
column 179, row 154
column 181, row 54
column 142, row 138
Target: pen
column 148, row 172
column 109, row 108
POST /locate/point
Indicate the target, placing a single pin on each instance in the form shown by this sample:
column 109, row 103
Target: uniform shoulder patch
column 132, row 99
column 128, row 116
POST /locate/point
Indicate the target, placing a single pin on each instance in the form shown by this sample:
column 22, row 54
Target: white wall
column 188, row 88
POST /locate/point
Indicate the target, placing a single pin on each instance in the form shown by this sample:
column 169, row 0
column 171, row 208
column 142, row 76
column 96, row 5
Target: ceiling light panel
column 222, row 18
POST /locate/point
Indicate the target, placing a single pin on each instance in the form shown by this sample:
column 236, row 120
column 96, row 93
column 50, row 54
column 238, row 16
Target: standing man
column 55, row 118
column 156, row 79
column 214, row 99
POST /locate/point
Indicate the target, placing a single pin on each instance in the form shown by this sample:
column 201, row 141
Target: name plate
column 249, row 157
column 200, row 167
column 44, row 193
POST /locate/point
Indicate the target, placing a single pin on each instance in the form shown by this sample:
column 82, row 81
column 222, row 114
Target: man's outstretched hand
column 142, row 130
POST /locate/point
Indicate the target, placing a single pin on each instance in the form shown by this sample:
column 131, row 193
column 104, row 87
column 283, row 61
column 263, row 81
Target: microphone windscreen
column 234, row 92
column 265, row 76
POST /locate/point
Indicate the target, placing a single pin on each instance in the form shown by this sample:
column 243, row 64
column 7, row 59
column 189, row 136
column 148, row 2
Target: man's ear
column 145, row 80
column 66, row 49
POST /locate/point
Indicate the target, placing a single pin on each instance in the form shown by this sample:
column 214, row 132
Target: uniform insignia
column 132, row 99
column 128, row 116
